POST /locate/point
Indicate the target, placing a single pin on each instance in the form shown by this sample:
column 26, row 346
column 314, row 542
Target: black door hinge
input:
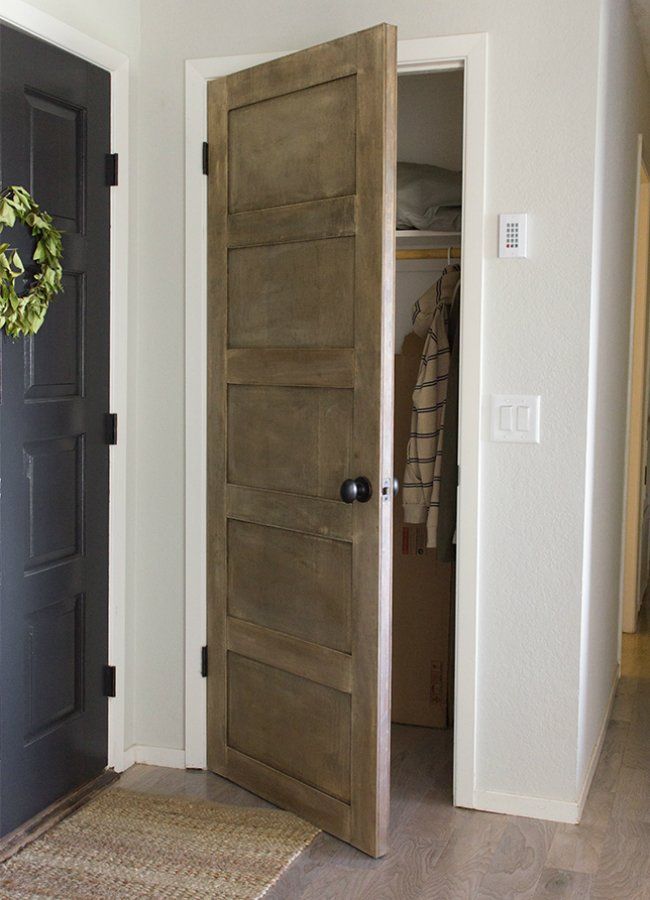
column 109, row 681
column 111, row 169
column 204, row 662
column 111, row 428
column 205, row 158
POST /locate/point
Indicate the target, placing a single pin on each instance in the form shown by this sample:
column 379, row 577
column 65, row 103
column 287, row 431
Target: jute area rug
column 124, row 844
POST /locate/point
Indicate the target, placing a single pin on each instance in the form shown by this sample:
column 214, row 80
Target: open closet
column 427, row 298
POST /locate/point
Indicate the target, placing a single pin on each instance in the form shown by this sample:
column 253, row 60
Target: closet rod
column 429, row 253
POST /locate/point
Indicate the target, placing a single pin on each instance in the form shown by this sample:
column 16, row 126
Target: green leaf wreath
column 24, row 314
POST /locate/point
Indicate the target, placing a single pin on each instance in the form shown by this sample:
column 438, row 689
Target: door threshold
column 53, row 814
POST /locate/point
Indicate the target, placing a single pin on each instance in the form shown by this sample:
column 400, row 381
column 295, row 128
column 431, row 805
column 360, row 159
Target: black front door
column 54, row 137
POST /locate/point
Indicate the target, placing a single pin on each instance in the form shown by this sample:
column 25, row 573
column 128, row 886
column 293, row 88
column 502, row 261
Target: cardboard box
column 421, row 588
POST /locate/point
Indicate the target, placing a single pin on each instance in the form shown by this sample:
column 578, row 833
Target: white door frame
column 421, row 55
column 52, row 30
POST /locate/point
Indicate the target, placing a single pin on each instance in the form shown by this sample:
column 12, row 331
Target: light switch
column 515, row 418
column 523, row 418
column 505, row 418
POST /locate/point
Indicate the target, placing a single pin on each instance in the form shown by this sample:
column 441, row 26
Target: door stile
column 217, row 398
column 372, row 436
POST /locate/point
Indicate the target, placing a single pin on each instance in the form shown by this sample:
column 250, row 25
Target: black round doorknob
column 358, row 489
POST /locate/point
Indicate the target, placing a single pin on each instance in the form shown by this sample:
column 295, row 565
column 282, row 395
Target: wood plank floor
column 442, row 853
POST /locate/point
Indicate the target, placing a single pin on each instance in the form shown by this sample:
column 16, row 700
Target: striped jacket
column 421, row 488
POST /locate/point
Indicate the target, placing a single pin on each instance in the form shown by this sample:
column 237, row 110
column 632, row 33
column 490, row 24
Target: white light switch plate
column 515, row 418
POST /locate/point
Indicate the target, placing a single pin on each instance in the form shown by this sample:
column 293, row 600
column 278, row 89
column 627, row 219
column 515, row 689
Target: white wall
column 624, row 112
column 429, row 132
column 541, row 135
column 116, row 23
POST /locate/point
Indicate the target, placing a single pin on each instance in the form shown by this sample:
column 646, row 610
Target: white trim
column 530, row 807
column 128, row 758
column 54, row 31
column 416, row 55
column 154, row 756
column 469, row 52
column 119, row 395
column 195, row 420
column 46, row 27
column 547, row 808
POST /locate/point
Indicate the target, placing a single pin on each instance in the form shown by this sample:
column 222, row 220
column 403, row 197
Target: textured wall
column 623, row 113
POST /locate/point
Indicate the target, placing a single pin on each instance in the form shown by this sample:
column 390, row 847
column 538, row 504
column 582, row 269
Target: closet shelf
column 428, row 253
column 415, row 234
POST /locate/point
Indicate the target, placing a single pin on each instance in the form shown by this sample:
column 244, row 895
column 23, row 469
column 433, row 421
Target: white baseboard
column 529, row 807
column 154, row 756
column 128, row 760
column 569, row 811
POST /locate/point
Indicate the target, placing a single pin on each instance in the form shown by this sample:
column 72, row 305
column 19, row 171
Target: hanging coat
column 421, row 486
column 446, row 535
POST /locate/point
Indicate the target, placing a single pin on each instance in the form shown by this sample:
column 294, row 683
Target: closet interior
column 430, row 158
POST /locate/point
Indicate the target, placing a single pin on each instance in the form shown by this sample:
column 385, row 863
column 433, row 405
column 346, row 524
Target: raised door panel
column 57, row 138
column 293, row 148
column 55, row 508
column 295, row 583
column 289, row 438
column 292, row 295
column 301, row 244
column 291, row 724
column 55, row 660
column 55, row 358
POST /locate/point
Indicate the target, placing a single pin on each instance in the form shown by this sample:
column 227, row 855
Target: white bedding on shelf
column 428, row 197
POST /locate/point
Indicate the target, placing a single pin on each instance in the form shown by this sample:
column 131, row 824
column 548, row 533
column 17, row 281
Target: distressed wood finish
column 216, row 539
column 312, row 157
column 301, row 257
column 327, row 518
column 292, row 724
column 303, row 294
column 373, row 434
column 291, row 582
column 312, row 661
column 301, row 222
column 290, row 793
column 294, row 72
column 301, row 368
column 291, row 439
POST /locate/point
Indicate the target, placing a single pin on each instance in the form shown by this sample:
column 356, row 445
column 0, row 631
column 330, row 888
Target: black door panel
column 54, row 393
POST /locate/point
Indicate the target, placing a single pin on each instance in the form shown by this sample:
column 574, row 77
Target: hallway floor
column 456, row 854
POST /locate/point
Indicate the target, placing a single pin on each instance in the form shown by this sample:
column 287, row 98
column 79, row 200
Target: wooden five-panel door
column 301, row 256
